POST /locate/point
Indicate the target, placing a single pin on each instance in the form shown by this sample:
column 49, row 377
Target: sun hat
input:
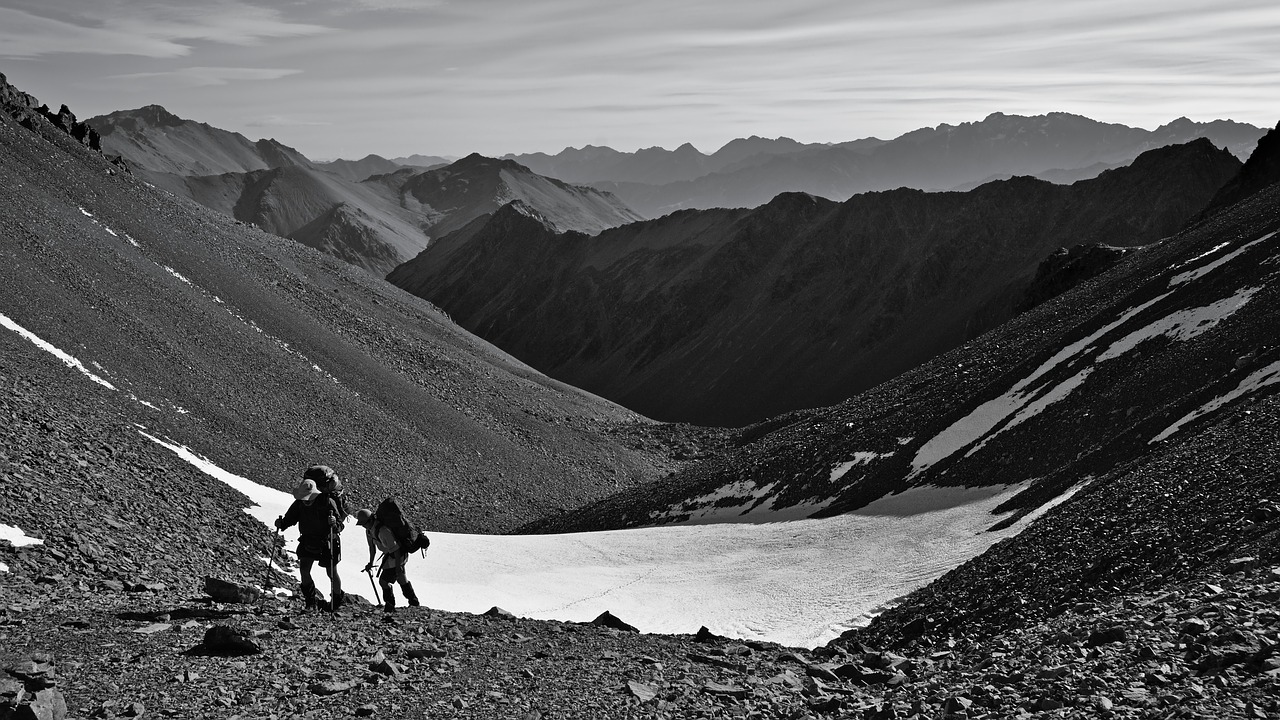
column 305, row 490
column 363, row 515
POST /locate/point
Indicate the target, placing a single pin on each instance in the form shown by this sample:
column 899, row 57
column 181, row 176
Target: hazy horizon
column 435, row 77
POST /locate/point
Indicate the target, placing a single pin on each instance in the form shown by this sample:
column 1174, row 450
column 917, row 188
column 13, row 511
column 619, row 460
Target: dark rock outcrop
column 1261, row 170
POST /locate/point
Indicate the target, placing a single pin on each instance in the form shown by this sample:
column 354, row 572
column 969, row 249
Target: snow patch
column 984, row 418
column 1269, row 375
column 1182, row 325
column 86, row 212
column 859, row 458
column 16, row 537
column 66, row 359
column 176, row 274
column 1202, row 271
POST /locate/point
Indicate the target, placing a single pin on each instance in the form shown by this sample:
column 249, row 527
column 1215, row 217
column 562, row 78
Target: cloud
column 283, row 121
column 137, row 27
column 206, row 76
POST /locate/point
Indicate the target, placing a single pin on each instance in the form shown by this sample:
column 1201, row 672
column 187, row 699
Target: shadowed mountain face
column 374, row 225
column 265, row 356
column 1058, row 147
column 730, row 316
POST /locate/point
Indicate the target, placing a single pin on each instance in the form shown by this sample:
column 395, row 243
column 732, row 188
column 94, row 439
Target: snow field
column 799, row 583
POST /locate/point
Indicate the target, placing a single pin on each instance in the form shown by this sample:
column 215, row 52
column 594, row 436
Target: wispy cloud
column 137, row 27
column 206, row 76
column 283, row 121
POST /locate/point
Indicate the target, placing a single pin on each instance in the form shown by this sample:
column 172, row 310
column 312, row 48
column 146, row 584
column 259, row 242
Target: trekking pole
column 271, row 556
column 369, row 571
column 333, row 571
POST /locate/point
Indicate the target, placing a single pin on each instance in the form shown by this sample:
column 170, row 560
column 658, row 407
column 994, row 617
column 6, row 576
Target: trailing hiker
column 319, row 522
column 387, row 530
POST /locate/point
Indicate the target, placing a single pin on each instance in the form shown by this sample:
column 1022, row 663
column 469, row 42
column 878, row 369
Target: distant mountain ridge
column 1060, row 147
column 373, row 213
column 727, row 316
column 159, row 141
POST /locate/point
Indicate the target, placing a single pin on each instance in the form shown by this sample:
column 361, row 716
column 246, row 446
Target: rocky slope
column 190, row 315
column 1057, row 147
column 730, row 316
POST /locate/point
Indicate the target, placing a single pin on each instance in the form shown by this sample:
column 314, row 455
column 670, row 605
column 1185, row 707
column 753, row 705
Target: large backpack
column 409, row 537
column 330, row 487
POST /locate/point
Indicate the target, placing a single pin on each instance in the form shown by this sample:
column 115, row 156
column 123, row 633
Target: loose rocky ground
column 1200, row 649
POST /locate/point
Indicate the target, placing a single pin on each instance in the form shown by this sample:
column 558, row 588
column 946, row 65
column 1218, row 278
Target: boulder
column 228, row 641
column 225, row 591
column 610, row 620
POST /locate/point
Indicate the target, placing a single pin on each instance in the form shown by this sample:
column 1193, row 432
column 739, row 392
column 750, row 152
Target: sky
column 345, row 78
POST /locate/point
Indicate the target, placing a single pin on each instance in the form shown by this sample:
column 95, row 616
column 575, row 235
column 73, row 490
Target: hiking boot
column 309, row 598
column 410, row 595
column 390, row 604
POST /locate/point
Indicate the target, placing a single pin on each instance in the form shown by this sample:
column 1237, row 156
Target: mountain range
column 372, row 213
column 1059, row 147
column 728, row 317
column 1143, row 400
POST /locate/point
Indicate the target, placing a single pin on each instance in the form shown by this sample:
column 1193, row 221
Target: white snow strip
column 140, row 401
column 65, row 358
column 4, row 568
column 1204, row 254
column 176, row 274
column 859, row 458
column 988, row 415
column 131, row 240
column 1202, row 271
column 86, row 212
column 15, row 537
column 1184, row 324
column 1269, row 375
column 797, row 583
column 110, row 232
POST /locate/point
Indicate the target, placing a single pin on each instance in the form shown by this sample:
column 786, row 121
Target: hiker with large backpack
column 319, row 522
column 387, row 530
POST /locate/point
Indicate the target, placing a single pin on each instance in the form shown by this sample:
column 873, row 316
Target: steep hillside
column 266, row 356
column 730, row 316
column 1058, row 147
column 350, row 221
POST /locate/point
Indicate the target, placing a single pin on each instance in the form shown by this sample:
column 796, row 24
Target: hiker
column 319, row 526
column 394, row 558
